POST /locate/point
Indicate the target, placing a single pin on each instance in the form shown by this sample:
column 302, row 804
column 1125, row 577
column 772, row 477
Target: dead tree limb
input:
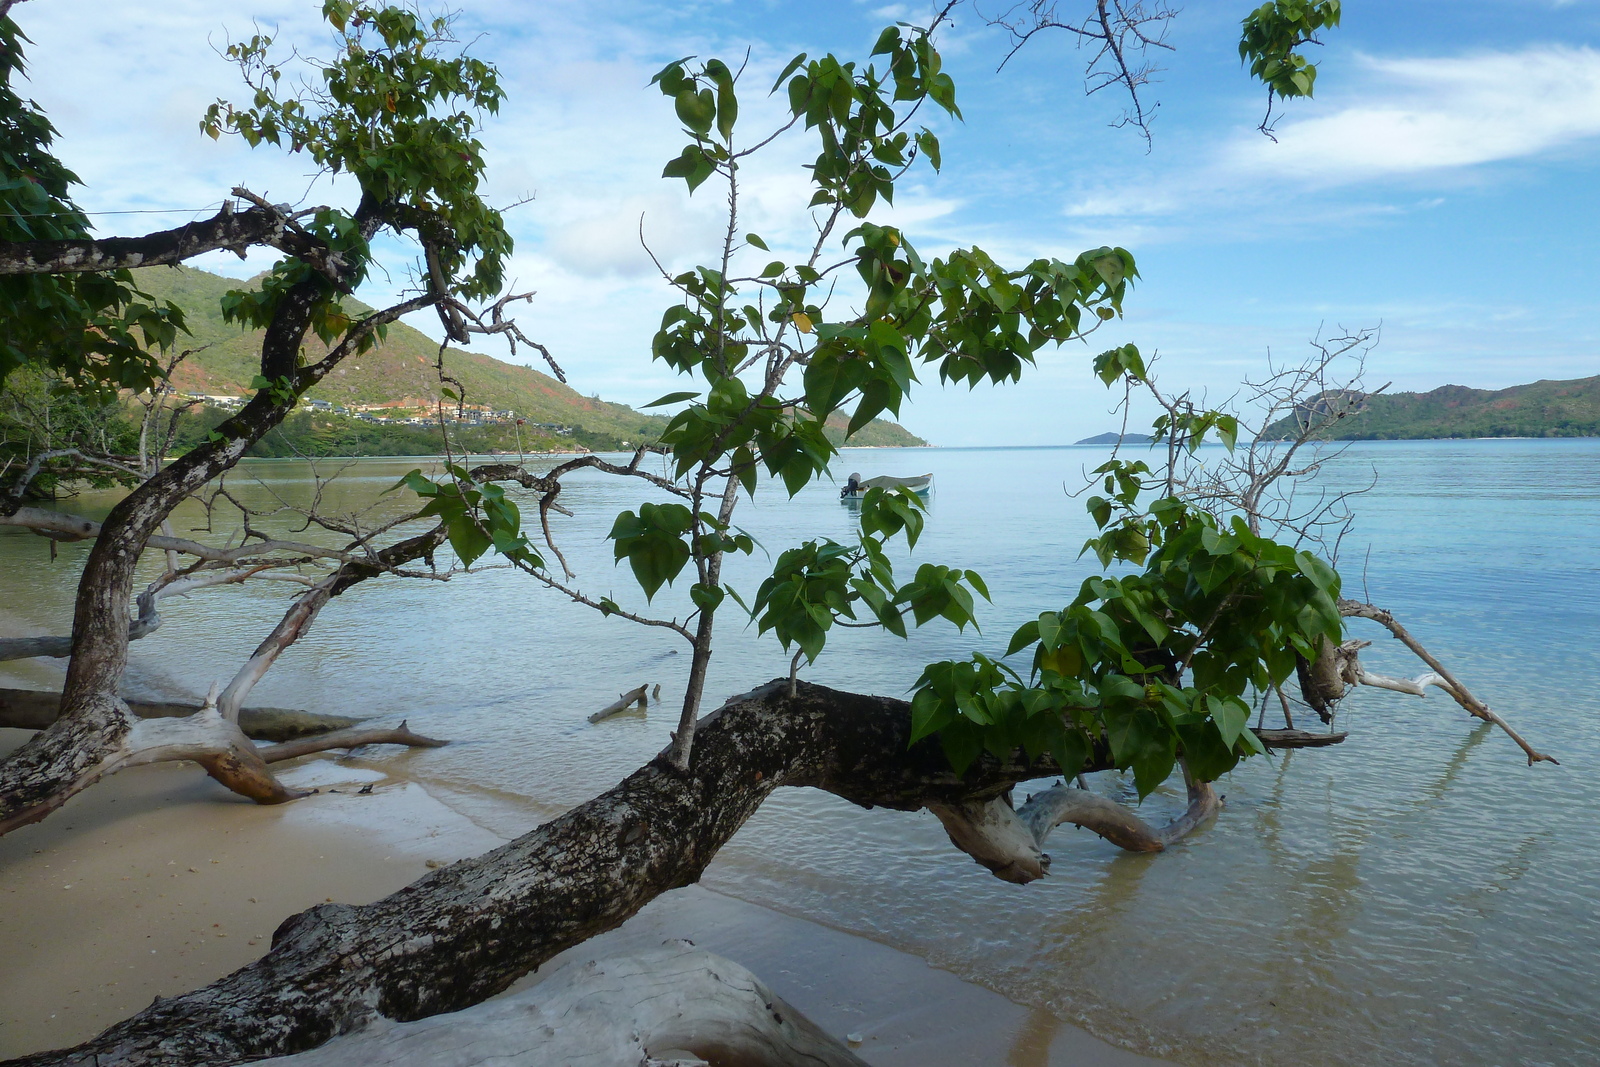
column 210, row 737
column 1010, row 843
column 354, row 737
column 622, row 703
column 32, row 709
column 1441, row 675
column 227, row 229
column 149, row 618
column 76, row 528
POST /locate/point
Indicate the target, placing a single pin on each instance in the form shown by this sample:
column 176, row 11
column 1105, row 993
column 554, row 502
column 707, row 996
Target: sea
column 1415, row 895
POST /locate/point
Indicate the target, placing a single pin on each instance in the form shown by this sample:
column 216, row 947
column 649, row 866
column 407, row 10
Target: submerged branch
column 1440, row 676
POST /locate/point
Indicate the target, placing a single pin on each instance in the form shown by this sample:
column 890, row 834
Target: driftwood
column 627, row 700
column 33, row 709
column 355, row 737
column 677, row 1005
column 1296, row 738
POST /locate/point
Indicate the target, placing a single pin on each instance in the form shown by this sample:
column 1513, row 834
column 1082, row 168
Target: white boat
column 917, row 483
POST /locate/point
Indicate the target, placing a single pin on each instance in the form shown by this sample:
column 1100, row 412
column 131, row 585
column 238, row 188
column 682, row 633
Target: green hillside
column 1540, row 409
column 401, row 370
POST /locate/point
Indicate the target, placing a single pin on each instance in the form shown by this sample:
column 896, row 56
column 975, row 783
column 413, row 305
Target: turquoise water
column 1416, row 895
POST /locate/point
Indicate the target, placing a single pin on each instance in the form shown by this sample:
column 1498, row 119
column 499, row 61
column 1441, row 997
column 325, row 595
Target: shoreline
column 156, row 881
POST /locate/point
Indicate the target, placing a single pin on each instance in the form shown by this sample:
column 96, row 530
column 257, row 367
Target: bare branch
column 1121, row 32
column 1441, row 675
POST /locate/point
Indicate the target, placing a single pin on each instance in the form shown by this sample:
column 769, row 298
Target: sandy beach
column 157, row 881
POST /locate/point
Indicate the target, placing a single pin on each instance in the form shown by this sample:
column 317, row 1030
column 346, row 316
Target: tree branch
column 227, row 229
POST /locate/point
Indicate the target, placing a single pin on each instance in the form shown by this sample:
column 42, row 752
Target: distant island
column 384, row 403
column 1539, row 409
column 1115, row 439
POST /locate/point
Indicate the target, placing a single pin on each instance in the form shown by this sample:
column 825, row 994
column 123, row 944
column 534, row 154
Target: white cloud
column 1421, row 115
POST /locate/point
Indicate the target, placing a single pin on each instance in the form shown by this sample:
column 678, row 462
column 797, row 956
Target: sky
column 1440, row 187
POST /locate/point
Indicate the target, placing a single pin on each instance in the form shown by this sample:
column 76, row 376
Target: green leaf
column 696, row 110
column 793, row 65
column 706, row 598
column 672, row 398
column 1027, row 634
column 1072, row 751
column 962, row 742
column 468, row 540
column 1231, row 717
column 752, row 239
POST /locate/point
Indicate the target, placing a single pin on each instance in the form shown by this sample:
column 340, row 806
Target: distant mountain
column 1540, row 409
column 1115, row 438
column 401, row 371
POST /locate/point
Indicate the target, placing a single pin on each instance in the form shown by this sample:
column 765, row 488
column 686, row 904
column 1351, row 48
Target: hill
column 400, row 373
column 1539, row 409
column 1113, row 438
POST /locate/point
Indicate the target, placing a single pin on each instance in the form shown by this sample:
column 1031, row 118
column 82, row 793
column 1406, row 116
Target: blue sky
column 1442, row 184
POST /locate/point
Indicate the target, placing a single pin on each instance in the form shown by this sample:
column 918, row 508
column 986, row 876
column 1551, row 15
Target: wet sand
column 157, row 881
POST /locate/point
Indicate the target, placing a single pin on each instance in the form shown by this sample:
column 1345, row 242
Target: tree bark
column 465, row 932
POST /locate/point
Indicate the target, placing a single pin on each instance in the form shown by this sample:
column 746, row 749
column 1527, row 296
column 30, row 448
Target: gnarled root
column 677, row 1004
column 1010, row 843
column 990, row 832
column 1063, row 803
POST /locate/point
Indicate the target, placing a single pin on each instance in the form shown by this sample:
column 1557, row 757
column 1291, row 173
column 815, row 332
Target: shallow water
column 1414, row 895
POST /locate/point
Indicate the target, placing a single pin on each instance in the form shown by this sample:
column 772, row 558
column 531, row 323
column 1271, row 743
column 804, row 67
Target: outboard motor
column 853, row 486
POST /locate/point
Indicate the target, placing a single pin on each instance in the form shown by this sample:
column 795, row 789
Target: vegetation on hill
column 1113, row 438
column 1540, row 409
column 401, row 370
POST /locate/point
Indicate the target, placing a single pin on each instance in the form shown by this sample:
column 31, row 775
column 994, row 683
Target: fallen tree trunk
column 35, row 709
column 465, row 932
column 656, row 1008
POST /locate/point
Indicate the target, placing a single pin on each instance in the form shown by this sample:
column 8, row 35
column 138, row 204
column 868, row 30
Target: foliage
column 1159, row 662
column 95, row 332
column 40, row 413
column 964, row 313
column 397, row 114
column 477, row 518
column 1273, row 31
column 1156, row 663
column 821, row 583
